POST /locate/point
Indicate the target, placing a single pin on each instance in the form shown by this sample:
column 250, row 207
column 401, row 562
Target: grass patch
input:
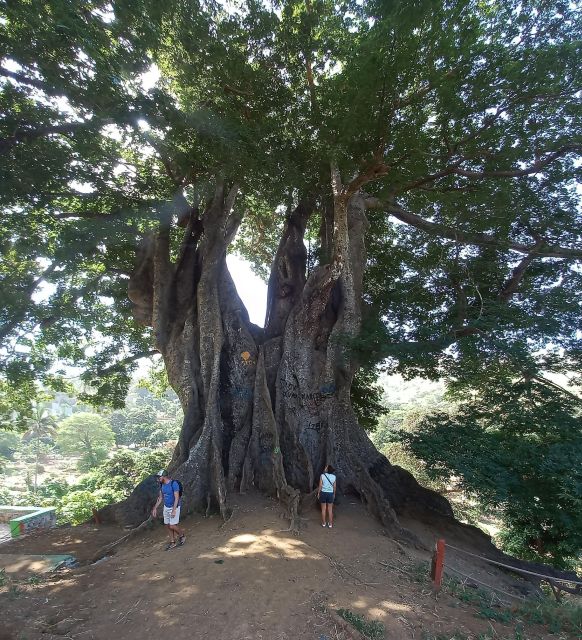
column 498, row 614
column 371, row 629
column 518, row 634
column 565, row 617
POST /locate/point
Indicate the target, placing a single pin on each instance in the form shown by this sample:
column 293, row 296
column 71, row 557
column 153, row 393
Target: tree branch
column 549, row 383
column 456, row 169
column 26, row 135
column 309, row 67
column 87, row 215
column 517, row 274
column 398, row 103
column 120, row 365
column 20, row 315
column 336, row 180
column 31, row 82
column 466, row 237
column 539, row 164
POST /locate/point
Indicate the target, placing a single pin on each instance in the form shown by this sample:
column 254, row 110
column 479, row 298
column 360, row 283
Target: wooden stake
column 437, row 564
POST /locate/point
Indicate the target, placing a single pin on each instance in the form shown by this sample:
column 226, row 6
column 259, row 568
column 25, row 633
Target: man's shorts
column 325, row 497
column 168, row 515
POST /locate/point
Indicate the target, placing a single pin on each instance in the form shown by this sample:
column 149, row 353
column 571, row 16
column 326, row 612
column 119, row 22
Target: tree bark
column 266, row 408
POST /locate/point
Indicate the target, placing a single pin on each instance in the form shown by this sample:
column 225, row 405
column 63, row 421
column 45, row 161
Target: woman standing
column 326, row 494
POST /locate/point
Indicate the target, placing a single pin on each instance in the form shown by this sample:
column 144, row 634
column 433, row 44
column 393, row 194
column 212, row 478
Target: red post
column 437, row 564
column 96, row 517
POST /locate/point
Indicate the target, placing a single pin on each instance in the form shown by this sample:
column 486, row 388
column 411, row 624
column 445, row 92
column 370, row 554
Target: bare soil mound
column 246, row 579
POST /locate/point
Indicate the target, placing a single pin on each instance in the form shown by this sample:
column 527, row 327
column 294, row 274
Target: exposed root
column 107, row 549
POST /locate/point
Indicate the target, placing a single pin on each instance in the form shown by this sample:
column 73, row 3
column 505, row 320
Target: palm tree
column 41, row 427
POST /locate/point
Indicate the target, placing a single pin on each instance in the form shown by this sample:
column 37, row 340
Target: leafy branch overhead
column 469, row 137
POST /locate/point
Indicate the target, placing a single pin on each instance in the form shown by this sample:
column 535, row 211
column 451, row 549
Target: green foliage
column 152, row 415
column 156, row 381
column 52, row 489
column 366, row 398
column 134, row 426
column 9, row 444
column 559, row 617
column 5, row 496
column 108, row 482
column 76, row 507
column 124, row 470
column 15, row 403
column 517, row 448
column 371, row 629
column 449, row 96
column 564, row 617
column 397, row 454
column 148, row 463
column 406, row 404
column 88, row 435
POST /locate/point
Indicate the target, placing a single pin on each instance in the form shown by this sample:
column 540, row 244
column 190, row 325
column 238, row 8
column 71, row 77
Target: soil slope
column 246, row 579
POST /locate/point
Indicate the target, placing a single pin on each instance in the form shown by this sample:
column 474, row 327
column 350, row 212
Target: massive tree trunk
column 267, row 408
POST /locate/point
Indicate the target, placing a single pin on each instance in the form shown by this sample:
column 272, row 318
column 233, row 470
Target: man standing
column 170, row 494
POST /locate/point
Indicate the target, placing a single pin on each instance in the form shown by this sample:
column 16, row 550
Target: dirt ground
column 246, row 579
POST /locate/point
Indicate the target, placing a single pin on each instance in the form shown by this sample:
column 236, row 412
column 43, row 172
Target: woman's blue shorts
column 326, row 497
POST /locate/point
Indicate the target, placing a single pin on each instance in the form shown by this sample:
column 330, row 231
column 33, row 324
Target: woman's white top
column 327, row 482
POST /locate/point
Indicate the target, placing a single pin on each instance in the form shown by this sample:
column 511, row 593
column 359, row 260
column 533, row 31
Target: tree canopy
column 460, row 120
column 88, row 435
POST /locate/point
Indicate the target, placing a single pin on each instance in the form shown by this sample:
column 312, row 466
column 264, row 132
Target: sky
column 251, row 289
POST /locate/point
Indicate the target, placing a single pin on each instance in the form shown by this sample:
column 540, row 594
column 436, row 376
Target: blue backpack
column 180, row 487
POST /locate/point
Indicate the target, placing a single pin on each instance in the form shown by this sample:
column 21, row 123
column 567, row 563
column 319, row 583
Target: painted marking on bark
column 328, row 389
column 242, row 392
column 309, row 398
column 247, row 358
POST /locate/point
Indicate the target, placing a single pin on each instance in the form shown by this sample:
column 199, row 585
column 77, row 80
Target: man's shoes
column 171, row 545
column 181, row 540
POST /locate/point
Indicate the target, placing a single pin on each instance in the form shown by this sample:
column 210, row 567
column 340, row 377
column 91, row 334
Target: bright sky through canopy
column 251, row 289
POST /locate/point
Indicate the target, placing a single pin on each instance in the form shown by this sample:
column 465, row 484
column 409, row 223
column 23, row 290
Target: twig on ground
column 339, row 567
column 123, row 616
column 104, row 551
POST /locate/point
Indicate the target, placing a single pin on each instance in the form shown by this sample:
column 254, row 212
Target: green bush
column 109, row 482
column 517, row 449
column 10, row 443
column 76, row 507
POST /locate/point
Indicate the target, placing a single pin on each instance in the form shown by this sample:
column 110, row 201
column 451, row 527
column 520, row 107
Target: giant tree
column 402, row 173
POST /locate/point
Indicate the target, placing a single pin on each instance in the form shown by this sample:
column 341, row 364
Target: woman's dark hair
column 329, row 468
